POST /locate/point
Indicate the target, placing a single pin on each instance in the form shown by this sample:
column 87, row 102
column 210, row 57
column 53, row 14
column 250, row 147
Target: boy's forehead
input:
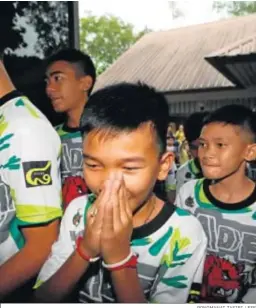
column 222, row 130
column 139, row 137
column 220, row 127
column 59, row 66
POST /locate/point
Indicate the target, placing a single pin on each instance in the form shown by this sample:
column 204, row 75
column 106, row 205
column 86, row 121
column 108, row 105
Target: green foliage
column 105, row 38
column 41, row 16
column 235, row 8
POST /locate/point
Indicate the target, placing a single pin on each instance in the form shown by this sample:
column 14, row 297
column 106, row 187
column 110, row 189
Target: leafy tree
column 49, row 19
column 42, row 15
column 235, row 8
column 105, row 38
column 9, row 37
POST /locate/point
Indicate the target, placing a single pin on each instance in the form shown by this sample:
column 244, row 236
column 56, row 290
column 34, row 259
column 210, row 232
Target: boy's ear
column 250, row 154
column 86, row 83
column 166, row 162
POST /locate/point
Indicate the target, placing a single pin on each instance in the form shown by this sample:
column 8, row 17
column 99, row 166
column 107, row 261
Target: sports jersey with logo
column 30, row 186
column 186, row 172
column 170, row 249
column 73, row 184
column 230, row 267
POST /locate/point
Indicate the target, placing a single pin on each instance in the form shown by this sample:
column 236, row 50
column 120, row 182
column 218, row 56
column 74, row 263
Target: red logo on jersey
column 222, row 280
column 73, row 187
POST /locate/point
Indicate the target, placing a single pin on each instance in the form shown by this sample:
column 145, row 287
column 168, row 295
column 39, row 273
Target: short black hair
column 75, row 56
column 124, row 107
column 237, row 115
column 193, row 125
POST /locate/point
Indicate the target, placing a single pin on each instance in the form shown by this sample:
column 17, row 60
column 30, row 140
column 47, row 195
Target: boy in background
column 70, row 77
column 225, row 204
column 191, row 169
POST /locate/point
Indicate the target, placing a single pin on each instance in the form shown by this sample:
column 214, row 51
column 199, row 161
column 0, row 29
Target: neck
column 234, row 188
column 148, row 211
column 74, row 115
column 6, row 85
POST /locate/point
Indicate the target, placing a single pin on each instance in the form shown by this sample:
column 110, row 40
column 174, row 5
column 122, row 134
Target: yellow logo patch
column 37, row 173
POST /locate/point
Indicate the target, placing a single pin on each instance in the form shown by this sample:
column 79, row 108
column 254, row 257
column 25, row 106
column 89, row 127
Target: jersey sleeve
column 180, row 275
column 62, row 248
column 31, row 170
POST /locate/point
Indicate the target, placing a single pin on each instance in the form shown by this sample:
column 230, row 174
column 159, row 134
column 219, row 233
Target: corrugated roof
column 245, row 46
column 237, row 62
column 174, row 59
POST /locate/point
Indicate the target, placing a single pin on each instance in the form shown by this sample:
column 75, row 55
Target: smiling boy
column 127, row 245
column 225, row 203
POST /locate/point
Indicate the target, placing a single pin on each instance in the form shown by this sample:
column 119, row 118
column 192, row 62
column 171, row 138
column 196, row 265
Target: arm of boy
column 6, row 85
column 180, row 273
column 37, row 204
column 65, row 266
column 17, row 270
column 115, row 242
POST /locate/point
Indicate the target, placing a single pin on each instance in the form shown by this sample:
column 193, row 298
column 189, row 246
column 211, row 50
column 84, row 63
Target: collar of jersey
column 206, row 200
column 11, row 95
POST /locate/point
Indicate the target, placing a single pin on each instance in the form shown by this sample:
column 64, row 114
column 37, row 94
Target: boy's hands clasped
column 109, row 223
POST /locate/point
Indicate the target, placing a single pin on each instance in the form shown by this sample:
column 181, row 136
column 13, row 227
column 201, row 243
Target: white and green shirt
column 230, row 267
column 170, row 248
column 30, row 187
column 186, row 172
column 73, row 184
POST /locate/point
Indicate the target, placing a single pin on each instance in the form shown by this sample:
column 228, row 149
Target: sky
column 153, row 14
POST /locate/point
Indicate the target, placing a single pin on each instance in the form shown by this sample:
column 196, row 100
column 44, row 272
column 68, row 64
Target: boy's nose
column 50, row 88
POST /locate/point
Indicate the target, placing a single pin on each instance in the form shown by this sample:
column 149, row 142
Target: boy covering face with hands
column 122, row 243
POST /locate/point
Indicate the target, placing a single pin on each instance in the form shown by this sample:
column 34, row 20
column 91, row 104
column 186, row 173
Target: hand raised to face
column 117, row 223
column 94, row 222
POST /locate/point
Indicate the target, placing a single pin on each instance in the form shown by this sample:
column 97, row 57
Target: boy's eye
column 131, row 168
column 57, row 78
column 91, row 165
column 220, row 145
column 202, row 144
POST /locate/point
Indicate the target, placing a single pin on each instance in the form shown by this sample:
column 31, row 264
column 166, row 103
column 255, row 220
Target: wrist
column 130, row 261
column 85, row 253
column 115, row 255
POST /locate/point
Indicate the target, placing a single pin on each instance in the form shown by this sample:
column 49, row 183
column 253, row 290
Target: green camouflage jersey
column 230, row 267
column 170, row 250
column 73, row 184
column 186, row 172
column 30, row 191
